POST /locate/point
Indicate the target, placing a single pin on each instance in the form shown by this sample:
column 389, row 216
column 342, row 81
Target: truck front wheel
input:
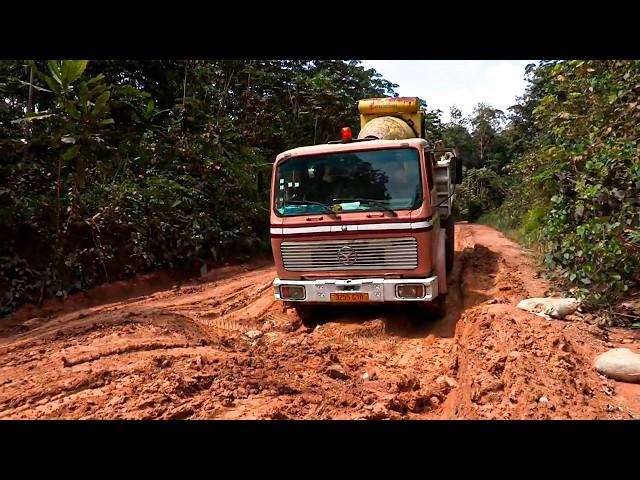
column 439, row 306
column 449, row 248
column 432, row 310
column 308, row 314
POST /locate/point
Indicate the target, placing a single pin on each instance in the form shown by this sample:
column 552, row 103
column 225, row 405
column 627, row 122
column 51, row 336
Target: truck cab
column 361, row 221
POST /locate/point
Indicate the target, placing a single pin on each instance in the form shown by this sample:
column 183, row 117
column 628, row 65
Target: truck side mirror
column 458, row 170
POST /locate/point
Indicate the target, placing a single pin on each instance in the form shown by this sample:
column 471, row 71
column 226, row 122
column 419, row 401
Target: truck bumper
column 377, row 289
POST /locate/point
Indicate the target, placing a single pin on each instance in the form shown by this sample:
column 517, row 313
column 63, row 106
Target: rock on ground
column 253, row 334
column 620, row 364
column 550, row 307
column 336, row 371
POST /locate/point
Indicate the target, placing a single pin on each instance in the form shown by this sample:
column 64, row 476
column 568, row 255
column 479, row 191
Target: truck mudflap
column 360, row 290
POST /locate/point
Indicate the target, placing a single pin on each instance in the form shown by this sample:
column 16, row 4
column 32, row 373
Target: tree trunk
column 56, row 245
column 184, row 85
column 27, row 132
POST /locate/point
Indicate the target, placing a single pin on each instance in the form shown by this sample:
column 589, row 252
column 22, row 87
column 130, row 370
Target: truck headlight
column 410, row 290
column 292, row 292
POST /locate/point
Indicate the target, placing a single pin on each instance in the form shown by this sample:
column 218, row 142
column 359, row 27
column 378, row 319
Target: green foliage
column 114, row 168
column 122, row 167
column 480, row 139
column 485, row 123
column 576, row 177
column 533, row 222
column 459, row 137
column 481, row 190
column 568, row 172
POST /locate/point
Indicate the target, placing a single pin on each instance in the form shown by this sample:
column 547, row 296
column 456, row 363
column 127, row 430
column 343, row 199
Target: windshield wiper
column 327, row 208
column 367, row 200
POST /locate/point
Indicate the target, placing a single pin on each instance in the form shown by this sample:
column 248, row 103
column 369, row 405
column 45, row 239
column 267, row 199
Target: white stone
column 550, row 307
column 253, row 334
column 620, row 364
column 448, row 380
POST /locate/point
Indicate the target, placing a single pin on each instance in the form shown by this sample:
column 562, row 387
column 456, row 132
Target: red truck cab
column 358, row 222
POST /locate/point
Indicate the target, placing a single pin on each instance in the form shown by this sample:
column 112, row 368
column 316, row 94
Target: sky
column 463, row 83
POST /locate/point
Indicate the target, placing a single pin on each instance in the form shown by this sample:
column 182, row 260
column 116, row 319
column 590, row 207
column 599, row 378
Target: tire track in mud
column 252, row 305
column 182, row 353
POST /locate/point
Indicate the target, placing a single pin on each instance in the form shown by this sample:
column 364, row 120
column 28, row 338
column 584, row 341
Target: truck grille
column 392, row 253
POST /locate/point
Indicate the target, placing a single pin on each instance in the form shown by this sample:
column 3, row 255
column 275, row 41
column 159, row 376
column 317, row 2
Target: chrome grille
column 396, row 253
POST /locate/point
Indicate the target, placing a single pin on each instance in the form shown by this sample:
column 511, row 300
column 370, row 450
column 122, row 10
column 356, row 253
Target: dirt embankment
column 222, row 348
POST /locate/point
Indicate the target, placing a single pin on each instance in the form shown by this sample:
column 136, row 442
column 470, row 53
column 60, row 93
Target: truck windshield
column 372, row 180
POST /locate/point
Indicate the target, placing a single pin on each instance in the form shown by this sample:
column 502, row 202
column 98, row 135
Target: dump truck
column 365, row 220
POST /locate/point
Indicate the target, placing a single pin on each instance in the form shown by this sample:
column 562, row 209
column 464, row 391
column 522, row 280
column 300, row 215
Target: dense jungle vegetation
column 115, row 168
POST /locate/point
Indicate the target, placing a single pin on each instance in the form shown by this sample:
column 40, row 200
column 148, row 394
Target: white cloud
column 464, row 83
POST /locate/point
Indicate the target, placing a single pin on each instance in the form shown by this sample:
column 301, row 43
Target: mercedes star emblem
column 347, row 255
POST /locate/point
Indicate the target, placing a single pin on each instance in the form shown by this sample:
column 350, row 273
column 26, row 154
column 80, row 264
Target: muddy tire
column 308, row 314
column 449, row 244
column 431, row 311
column 439, row 306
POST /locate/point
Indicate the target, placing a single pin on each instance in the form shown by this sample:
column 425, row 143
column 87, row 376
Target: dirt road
column 221, row 348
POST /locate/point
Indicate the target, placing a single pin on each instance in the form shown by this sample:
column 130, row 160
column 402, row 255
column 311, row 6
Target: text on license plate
column 349, row 297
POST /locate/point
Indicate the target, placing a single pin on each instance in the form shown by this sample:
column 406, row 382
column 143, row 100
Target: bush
column 481, row 190
column 576, row 188
column 131, row 166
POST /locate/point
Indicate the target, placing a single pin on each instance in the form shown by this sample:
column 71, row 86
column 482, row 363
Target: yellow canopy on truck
column 405, row 109
column 384, row 106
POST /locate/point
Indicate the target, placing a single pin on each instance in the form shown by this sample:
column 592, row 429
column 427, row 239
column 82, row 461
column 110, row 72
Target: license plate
column 349, row 297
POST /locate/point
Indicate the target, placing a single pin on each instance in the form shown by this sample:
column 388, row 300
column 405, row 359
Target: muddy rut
column 220, row 347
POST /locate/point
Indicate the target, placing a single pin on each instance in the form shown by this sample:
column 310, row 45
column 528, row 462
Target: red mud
column 147, row 350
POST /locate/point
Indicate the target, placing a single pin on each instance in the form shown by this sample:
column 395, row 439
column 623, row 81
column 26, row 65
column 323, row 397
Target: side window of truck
column 429, row 159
